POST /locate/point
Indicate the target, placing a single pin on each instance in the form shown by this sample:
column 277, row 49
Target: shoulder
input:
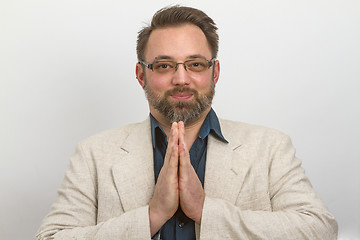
column 250, row 132
column 115, row 136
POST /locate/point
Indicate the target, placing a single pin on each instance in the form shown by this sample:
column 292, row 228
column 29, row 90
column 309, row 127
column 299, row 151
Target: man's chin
column 183, row 108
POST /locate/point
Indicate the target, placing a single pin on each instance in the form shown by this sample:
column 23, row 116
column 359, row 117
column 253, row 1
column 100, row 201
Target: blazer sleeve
column 74, row 213
column 295, row 212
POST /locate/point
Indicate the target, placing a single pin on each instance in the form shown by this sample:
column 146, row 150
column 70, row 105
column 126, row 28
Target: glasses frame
column 150, row 65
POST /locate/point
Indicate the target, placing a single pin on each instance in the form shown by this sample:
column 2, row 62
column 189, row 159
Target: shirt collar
column 155, row 125
column 211, row 124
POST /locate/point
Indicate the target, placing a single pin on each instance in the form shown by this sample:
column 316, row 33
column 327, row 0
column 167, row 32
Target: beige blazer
column 255, row 189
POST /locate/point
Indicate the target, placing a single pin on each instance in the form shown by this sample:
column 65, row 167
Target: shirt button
column 181, row 225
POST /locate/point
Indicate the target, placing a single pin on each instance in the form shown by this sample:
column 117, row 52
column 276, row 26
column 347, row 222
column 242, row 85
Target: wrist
column 157, row 220
column 200, row 211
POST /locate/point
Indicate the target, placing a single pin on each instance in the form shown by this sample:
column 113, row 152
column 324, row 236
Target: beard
column 175, row 111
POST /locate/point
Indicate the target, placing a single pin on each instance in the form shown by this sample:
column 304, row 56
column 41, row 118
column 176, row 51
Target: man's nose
column 181, row 75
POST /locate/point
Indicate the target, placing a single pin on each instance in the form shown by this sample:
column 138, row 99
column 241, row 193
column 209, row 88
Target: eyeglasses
column 197, row 65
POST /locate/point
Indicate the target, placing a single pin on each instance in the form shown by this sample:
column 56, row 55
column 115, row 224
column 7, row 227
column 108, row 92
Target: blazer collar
column 134, row 172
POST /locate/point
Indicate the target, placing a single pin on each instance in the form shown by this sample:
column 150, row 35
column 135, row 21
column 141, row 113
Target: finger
column 170, row 146
column 173, row 146
column 183, row 150
column 174, row 134
column 181, row 130
column 173, row 130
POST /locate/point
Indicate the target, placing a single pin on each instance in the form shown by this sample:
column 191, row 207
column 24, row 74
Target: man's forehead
column 184, row 41
column 167, row 57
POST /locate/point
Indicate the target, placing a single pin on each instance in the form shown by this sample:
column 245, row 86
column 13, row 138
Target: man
column 183, row 173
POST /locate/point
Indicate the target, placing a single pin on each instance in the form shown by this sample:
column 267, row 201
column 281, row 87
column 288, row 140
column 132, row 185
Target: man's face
column 178, row 95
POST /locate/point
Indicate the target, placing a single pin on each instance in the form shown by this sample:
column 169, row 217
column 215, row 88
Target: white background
column 67, row 71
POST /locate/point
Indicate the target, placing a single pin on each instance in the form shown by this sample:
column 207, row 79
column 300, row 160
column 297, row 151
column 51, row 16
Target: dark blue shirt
column 180, row 226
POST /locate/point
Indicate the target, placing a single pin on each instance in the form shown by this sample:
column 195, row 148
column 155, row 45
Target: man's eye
column 163, row 66
column 198, row 65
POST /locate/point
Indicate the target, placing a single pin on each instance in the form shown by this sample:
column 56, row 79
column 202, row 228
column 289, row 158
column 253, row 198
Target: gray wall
column 67, row 71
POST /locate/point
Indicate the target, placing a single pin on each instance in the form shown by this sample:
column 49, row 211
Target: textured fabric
column 180, row 226
column 254, row 185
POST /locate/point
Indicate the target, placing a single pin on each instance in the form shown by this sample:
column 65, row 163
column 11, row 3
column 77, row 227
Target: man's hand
column 177, row 184
column 192, row 194
column 165, row 201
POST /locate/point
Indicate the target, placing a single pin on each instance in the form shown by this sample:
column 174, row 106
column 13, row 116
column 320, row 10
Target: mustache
column 181, row 90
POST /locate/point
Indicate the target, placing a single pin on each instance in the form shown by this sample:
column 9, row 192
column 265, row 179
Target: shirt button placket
column 179, row 229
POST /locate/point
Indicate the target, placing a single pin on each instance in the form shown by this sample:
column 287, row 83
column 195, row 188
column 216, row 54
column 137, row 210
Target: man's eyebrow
column 197, row 56
column 160, row 57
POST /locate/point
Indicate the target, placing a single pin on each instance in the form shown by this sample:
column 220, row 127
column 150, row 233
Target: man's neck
column 192, row 129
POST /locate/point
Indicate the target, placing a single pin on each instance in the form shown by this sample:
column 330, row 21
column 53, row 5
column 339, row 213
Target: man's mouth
column 182, row 96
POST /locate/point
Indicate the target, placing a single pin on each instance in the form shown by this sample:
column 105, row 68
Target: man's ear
column 140, row 74
column 216, row 71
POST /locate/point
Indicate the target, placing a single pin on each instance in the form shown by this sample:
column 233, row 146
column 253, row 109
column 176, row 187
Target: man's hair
column 176, row 16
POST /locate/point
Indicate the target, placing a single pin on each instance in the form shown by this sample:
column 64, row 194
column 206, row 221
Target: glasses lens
column 197, row 65
column 164, row 66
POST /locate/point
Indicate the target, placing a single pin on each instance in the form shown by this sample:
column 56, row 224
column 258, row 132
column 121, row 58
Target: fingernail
column 173, row 127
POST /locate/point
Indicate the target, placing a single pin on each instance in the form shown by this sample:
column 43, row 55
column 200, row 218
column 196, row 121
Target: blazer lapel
column 134, row 172
column 226, row 167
